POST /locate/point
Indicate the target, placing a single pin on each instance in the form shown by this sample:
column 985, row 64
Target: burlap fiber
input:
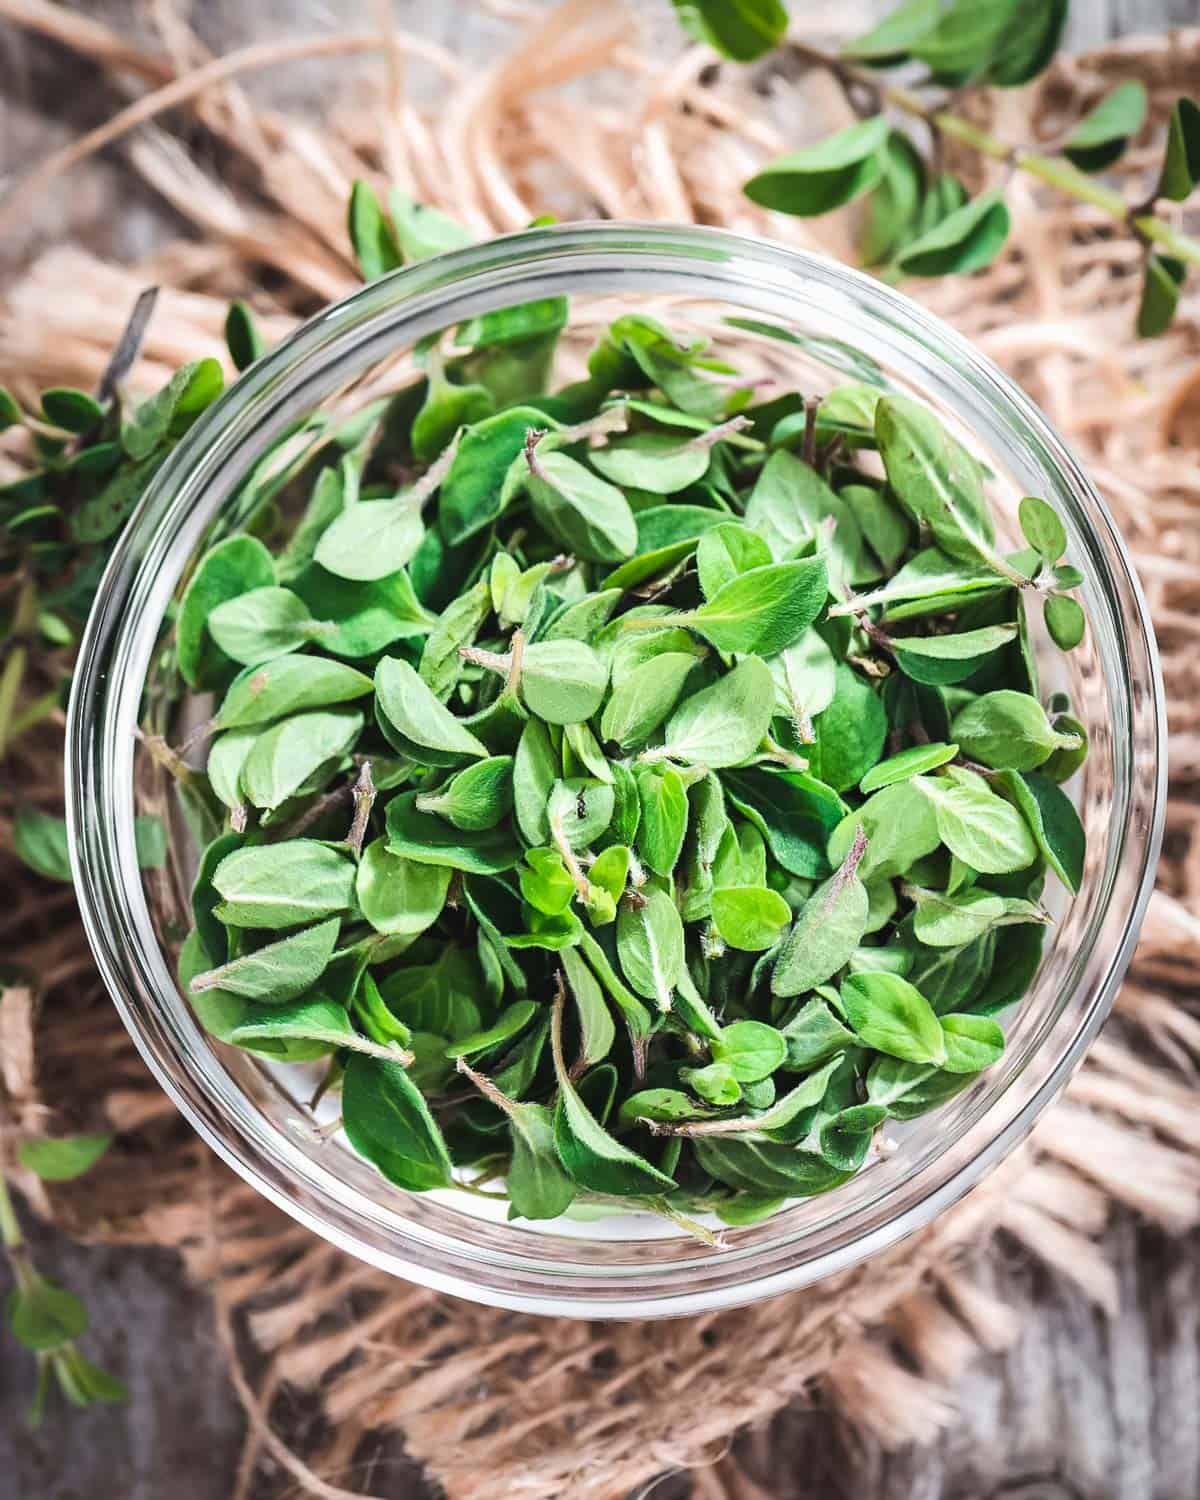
column 498, row 1404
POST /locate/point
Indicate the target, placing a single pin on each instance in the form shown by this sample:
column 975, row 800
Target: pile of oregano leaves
column 635, row 794
column 909, row 81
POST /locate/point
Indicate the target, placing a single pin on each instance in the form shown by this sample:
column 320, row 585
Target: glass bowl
column 842, row 325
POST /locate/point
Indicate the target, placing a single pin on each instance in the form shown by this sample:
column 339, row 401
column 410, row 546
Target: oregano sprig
column 919, row 219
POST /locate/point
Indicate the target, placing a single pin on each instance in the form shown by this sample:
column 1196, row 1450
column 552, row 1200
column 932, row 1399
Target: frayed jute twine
column 501, row 1404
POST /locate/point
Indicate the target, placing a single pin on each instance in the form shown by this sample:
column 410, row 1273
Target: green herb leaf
column 43, row 1315
column 243, row 338
column 261, row 624
column 589, row 516
column 314, row 1022
column 172, row 409
column 945, row 921
column 371, row 236
column 742, row 30
column 1065, row 621
column 233, row 567
column 908, row 763
column 794, row 812
column 288, row 685
column 371, row 539
column 474, row 492
column 595, row 1159
column 478, row 797
column 1101, row 136
column 389, row 1123
column 664, row 818
column 650, row 945
column 430, row 840
column 940, row 659
column 821, row 177
column 64, row 1159
column 40, row 840
column 278, row 971
column 827, row 930
column 1050, row 815
column 726, row 551
column 937, row 482
column 891, row 1016
column 724, row 724
column 972, row 1043
column 751, row 1050
column 535, row 770
column 562, row 682
column 1042, row 528
column 596, row 1029
column 422, row 231
column 966, row 240
column 72, row 410
column 982, row 829
column 415, row 722
column 749, row 917
column 642, row 698
column 283, row 885
column 399, row 895
column 1181, row 164
column 1162, row 284
column 850, row 733
column 763, row 610
column 580, row 809
column 1009, row 731
column 283, row 758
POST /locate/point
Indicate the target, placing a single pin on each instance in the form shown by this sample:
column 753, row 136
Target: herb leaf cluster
column 636, row 790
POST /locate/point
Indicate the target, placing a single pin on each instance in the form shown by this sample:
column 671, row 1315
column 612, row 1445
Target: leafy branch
column 919, row 219
column 43, row 1316
column 90, row 460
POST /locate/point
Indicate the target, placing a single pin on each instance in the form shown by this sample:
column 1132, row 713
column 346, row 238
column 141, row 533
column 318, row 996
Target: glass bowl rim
column 364, row 318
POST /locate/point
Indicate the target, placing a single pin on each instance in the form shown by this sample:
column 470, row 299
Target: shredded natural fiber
column 495, row 1403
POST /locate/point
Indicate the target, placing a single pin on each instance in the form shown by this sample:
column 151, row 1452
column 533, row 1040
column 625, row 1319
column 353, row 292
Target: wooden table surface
column 1082, row 1408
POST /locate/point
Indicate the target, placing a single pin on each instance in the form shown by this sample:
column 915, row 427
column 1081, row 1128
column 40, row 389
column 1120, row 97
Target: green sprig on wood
column 919, row 219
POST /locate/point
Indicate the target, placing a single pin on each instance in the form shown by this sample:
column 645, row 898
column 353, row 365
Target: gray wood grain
column 1082, row 1408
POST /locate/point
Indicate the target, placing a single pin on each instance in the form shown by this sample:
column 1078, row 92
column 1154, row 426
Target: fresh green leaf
column 742, row 30
column 972, row 1043
column 399, row 895
column 388, row 1122
column 283, row 758
column 1065, row 621
column 1051, row 816
column 823, row 176
column 1181, row 164
column 63, row 1159
column 415, row 722
column 650, row 945
column 371, row 236
column 748, row 917
column 288, row 685
column 723, row 724
column 890, row 1015
column 40, row 840
column 982, row 829
column 283, row 885
column 1101, row 136
column 278, row 971
column 828, row 929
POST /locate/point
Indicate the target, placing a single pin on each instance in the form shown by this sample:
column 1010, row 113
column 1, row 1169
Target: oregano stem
column 10, row 1227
